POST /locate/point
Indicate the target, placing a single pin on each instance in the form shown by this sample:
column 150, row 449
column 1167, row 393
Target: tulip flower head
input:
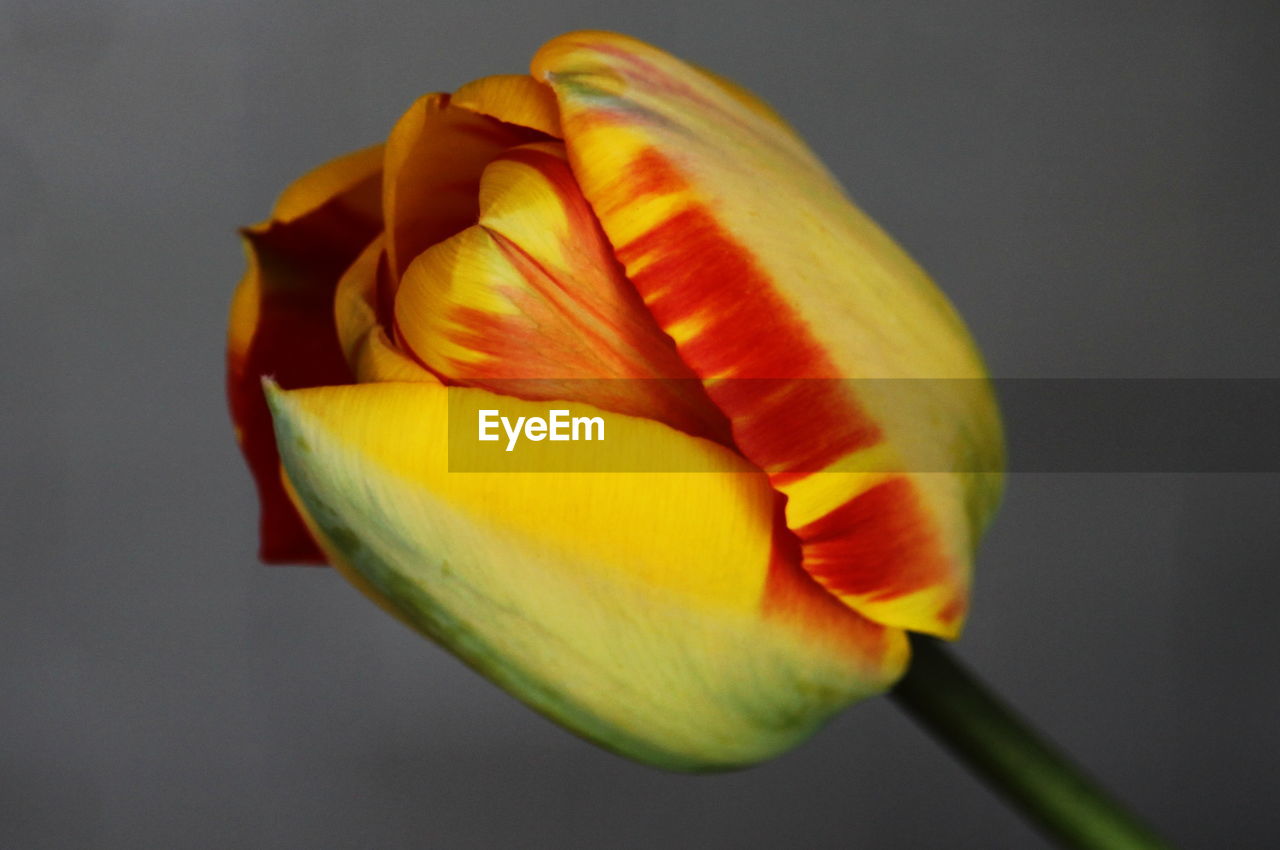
column 624, row 236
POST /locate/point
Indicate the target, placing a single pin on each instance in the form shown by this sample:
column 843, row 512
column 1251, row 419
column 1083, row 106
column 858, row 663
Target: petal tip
column 550, row 57
column 518, row 99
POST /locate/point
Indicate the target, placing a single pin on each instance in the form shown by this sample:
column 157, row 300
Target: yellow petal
column 513, row 98
column 646, row 611
column 778, row 291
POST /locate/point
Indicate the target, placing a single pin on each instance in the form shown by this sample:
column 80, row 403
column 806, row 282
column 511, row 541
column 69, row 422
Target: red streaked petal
column 775, row 289
column 282, row 322
column 531, row 302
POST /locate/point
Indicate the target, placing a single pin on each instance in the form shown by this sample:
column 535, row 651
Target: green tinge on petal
column 667, row 678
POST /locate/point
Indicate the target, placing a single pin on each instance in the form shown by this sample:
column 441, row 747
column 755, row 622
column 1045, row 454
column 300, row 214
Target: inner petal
column 434, row 158
column 531, row 302
column 362, row 326
column 514, row 99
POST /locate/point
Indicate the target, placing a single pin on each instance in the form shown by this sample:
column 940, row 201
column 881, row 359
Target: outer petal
column 282, row 321
column 747, row 252
column 350, row 179
column 531, row 302
column 660, row 615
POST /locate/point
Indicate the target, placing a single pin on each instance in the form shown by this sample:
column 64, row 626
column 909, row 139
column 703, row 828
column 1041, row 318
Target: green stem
column 1053, row 793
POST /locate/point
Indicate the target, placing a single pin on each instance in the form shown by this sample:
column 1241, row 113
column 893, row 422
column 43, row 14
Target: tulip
column 635, row 237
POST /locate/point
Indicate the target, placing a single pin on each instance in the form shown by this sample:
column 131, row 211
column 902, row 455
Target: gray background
column 1095, row 187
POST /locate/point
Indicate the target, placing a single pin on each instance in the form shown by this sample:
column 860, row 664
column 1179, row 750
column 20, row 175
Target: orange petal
column 513, row 98
column 344, row 181
column 282, row 321
column 530, row 302
column 776, row 289
column 435, row 155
